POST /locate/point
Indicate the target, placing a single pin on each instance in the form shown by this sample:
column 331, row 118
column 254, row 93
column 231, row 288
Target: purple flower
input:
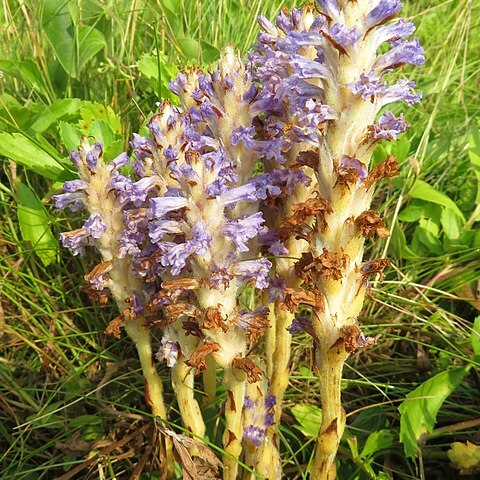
column 394, row 32
column 74, row 186
column 135, row 192
column 158, row 228
column 75, row 241
column 368, row 85
column 75, row 201
column 330, row 7
column 384, row 11
column 160, row 206
column 169, row 351
column 243, row 229
column 254, row 270
column 245, row 135
column 345, row 37
column 93, row 156
column 277, row 286
column 400, row 91
column 258, row 416
column 300, row 325
column 95, row 226
column 352, row 162
column 408, row 52
column 389, row 127
column 244, row 193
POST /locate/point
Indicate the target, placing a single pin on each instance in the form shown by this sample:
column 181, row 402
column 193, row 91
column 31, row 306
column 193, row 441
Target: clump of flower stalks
column 241, row 221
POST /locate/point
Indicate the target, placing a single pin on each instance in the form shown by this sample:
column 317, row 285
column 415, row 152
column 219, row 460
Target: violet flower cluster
column 258, row 182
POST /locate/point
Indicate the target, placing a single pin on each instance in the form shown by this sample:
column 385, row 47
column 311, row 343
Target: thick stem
column 234, row 382
column 329, row 368
column 270, row 339
column 183, row 378
column 137, row 331
column 210, row 383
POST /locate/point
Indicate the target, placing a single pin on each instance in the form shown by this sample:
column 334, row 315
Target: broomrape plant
column 258, row 181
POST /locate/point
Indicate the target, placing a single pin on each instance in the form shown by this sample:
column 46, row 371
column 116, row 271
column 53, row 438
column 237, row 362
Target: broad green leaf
column 412, row 213
column 90, row 42
column 67, row 107
column 189, row 47
column 59, row 29
column 377, row 441
column 210, row 53
column 475, row 337
column 24, row 152
column 424, row 191
column 400, row 148
column 114, row 149
column 34, row 224
column 28, row 72
column 451, row 224
column 102, row 131
column 148, row 65
column 418, row 412
column 474, row 154
column 70, row 134
column 74, row 45
column 309, row 418
column 428, row 240
column 93, row 111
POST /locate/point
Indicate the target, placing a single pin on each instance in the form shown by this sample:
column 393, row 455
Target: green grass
column 68, row 392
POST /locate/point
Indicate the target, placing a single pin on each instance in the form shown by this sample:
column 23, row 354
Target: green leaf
column 24, row 152
column 90, row 42
column 412, row 213
column 59, row 29
column 34, row 224
column 93, row 111
column 377, row 441
column 210, row 53
column 419, row 410
column 475, row 337
column 424, row 191
column 309, row 418
column 74, row 45
column 28, row 72
column 70, row 134
column 451, row 224
column 428, row 240
column 67, row 107
column 102, row 132
column 474, row 154
column 189, row 47
column 85, row 420
column 46, row 418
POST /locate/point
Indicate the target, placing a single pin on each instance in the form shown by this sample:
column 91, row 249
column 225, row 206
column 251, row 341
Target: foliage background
column 68, row 393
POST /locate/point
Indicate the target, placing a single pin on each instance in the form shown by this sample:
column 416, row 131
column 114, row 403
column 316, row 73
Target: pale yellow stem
column 183, row 378
column 153, row 383
column 234, row 381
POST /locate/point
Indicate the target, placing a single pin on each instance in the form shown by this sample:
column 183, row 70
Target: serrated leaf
column 377, row 441
column 93, row 111
column 24, row 152
column 34, row 224
column 309, row 418
column 424, row 191
column 418, row 412
column 102, row 131
column 475, row 336
column 70, row 135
